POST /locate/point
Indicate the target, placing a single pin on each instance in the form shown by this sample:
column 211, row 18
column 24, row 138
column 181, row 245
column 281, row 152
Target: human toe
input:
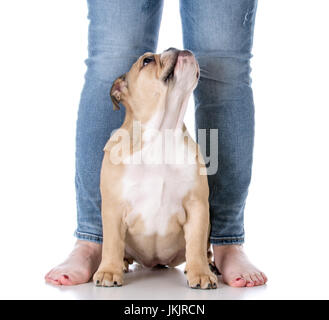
column 66, row 280
column 260, row 279
column 255, row 279
column 264, row 277
column 50, row 279
column 249, row 281
column 237, row 281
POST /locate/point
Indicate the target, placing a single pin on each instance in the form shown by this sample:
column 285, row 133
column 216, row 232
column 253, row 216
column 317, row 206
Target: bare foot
column 79, row 267
column 236, row 269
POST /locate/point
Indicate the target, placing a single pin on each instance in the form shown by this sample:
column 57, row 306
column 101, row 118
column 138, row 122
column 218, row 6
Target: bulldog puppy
column 153, row 180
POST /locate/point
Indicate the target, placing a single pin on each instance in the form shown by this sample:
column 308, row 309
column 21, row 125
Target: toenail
column 238, row 279
column 65, row 276
column 115, row 283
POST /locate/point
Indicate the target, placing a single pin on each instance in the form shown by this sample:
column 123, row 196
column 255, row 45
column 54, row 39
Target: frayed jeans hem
column 88, row 237
column 226, row 240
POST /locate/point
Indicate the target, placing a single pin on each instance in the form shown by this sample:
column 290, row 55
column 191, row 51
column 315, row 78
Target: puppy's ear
column 119, row 85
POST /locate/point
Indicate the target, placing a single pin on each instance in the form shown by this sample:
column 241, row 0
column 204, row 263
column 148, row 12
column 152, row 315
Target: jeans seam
column 212, row 192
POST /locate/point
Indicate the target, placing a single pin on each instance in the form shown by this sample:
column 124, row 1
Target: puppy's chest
column 156, row 193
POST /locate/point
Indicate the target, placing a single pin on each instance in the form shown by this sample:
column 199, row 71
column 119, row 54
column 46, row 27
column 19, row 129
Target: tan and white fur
column 155, row 211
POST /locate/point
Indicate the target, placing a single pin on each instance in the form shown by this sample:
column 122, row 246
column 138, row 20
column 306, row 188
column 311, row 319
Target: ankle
column 88, row 245
column 222, row 249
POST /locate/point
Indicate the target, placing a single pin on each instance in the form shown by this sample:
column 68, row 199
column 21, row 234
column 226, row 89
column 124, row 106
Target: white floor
column 293, row 278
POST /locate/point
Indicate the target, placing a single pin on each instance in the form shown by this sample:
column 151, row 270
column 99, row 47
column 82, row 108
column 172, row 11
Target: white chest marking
column 156, row 192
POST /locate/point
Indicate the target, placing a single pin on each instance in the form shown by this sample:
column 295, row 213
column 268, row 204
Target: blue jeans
column 220, row 33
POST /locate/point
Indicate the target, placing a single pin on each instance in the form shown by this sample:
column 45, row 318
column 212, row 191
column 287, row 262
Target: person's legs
column 220, row 34
column 119, row 32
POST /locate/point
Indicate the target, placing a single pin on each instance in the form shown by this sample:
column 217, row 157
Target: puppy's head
column 155, row 76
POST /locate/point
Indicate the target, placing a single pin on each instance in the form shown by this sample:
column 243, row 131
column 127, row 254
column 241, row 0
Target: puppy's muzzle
column 174, row 55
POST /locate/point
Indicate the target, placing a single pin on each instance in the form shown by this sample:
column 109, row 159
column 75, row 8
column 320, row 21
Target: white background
column 42, row 48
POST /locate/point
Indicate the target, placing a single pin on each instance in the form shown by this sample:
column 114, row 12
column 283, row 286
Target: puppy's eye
column 147, row 61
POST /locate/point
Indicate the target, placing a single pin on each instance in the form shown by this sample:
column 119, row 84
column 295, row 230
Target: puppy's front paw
column 201, row 279
column 107, row 279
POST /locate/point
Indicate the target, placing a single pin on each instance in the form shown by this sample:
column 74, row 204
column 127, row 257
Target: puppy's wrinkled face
column 155, row 76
